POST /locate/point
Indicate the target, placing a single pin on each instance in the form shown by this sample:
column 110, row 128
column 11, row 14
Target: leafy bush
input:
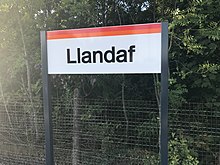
column 180, row 152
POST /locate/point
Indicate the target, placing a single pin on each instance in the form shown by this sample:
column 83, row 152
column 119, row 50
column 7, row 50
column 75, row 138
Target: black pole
column 164, row 97
column 46, row 101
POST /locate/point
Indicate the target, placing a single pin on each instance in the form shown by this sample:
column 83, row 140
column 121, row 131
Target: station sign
column 106, row 50
column 126, row 49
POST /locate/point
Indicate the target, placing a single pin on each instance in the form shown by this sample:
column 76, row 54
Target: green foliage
column 176, row 94
column 19, row 44
column 194, row 40
column 195, row 52
column 180, row 152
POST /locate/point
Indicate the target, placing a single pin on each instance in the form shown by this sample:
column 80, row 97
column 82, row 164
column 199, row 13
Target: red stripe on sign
column 105, row 31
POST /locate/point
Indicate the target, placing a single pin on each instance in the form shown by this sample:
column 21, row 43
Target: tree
column 195, row 52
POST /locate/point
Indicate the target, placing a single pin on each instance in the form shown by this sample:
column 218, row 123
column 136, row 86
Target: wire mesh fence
column 107, row 132
column 21, row 131
column 103, row 132
column 199, row 125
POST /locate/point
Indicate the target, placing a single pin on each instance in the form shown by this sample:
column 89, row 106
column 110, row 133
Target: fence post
column 75, row 149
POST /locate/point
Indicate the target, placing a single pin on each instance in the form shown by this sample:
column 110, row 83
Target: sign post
column 47, row 102
column 164, row 96
column 126, row 49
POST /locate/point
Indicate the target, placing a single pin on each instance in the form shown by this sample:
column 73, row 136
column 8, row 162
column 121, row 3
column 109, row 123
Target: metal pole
column 46, row 102
column 164, row 97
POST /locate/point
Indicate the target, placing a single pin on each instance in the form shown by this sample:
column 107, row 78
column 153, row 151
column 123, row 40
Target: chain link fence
column 107, row 132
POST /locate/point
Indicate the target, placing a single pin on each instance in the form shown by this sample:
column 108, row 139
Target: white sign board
column 106, row 50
